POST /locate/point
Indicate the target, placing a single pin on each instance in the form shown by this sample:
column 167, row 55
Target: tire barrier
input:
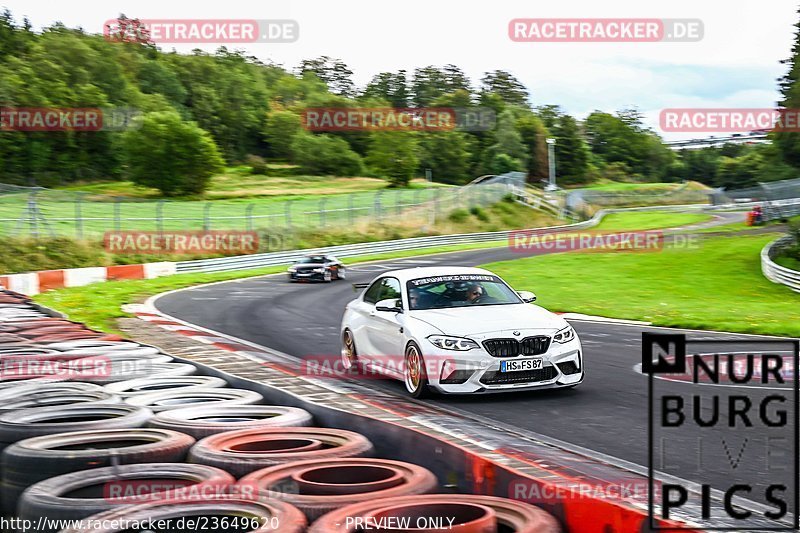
column 137, row 387
column 136, row 370
column 84, row 451
column 201, row 422
column 456, row 513
column 38, row 458
column 269, row 515
column 16, row 389
column 57, row 398
column 81, row 494
column 317, row 487
column 176, row 399
column 33, row 422
column 245, row 451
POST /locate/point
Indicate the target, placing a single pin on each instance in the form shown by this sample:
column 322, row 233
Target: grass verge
column 717, row 286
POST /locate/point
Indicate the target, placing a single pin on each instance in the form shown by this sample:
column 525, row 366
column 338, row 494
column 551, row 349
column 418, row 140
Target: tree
column 390, row 87
column 337, row 76
column 572, row 153
column 325, row 154
column 788, row 142
column 447, row 154
column 508, row 141
column 506, row 86
column 279, row 132
column 430, row 83
column 534, row 136
column 168, row 154
column 739, row 172
column 393, row 155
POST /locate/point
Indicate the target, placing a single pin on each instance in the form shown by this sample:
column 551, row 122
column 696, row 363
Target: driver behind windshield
column 474, row 293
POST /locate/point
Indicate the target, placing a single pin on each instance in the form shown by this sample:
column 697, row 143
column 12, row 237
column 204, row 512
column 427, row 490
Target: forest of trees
column 227, row 108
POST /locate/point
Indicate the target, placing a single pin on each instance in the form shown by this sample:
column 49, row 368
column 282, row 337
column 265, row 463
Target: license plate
column 518, row 365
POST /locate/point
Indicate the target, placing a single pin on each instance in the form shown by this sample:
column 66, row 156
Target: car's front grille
column 502, row 347
column 526, row 376
column 568, row 368
column 535, row 345
column 512, row 347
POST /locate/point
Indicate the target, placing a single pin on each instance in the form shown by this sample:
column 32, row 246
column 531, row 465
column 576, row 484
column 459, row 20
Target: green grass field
column 716, row 286
column 644, row 220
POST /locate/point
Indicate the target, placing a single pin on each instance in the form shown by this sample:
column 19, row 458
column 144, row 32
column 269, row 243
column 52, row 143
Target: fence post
column 160, row 216
column 288, row 211
column 350, row 208
column 397, row 198
column 248, row 213
column 322, row 203
column 377, row 206
column 78, row 217
column 207, row 216
column 33, row 214
column 117, row 216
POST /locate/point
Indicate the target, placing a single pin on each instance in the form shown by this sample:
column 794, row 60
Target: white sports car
column 458, row 330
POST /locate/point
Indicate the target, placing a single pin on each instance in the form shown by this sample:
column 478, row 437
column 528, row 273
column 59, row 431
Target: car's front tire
column 327, row 276
column 349, row 354
column 415, row 376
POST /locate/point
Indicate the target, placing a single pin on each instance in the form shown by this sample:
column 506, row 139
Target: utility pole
column 551, row 159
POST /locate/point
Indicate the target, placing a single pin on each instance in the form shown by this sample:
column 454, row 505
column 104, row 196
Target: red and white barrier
column 36, row 282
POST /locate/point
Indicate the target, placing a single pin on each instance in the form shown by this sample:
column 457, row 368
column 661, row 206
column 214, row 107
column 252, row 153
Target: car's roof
column 406, row 274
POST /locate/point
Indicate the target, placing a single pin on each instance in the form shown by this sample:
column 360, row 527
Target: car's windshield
column 461, row 290
column 313, row 259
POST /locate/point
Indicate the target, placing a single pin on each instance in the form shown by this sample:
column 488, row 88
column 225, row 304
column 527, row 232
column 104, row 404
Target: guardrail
column 243, row 262
column 775, row 272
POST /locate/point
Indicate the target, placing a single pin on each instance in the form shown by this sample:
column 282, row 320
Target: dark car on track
column 317, row 268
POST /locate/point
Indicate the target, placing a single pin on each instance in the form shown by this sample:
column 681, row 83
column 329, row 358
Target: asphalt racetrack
column 608, row 413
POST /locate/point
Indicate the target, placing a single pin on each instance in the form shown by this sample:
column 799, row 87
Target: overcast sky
column 735, row 65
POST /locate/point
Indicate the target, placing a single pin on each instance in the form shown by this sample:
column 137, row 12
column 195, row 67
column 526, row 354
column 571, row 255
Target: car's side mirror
column 527, row 296
column 391, row 305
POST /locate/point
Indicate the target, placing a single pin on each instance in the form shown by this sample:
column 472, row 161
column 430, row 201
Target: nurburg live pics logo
column 731, row 430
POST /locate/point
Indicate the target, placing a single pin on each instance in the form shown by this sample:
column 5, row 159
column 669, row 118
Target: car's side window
column 390, row 289
column 372, row 294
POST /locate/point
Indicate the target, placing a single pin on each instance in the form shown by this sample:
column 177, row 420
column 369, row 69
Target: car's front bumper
column 476, row 371
column 306, row 276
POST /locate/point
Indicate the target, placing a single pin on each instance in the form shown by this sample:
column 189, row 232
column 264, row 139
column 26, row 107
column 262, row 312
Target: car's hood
column 475, row 320
column 308, row 265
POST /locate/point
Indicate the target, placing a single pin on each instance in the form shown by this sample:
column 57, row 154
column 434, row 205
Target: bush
column 257, row 165
column 326, row 155
column 479, row 213
column 458, row 215
column 165, row 153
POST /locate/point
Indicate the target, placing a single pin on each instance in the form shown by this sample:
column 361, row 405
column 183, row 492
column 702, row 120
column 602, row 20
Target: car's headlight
column 564, row 335
column 319, row 270
column 452, row 343
column 292, row 269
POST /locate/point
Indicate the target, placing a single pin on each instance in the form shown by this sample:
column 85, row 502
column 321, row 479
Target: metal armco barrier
column 775, row 272
column 243, row 262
